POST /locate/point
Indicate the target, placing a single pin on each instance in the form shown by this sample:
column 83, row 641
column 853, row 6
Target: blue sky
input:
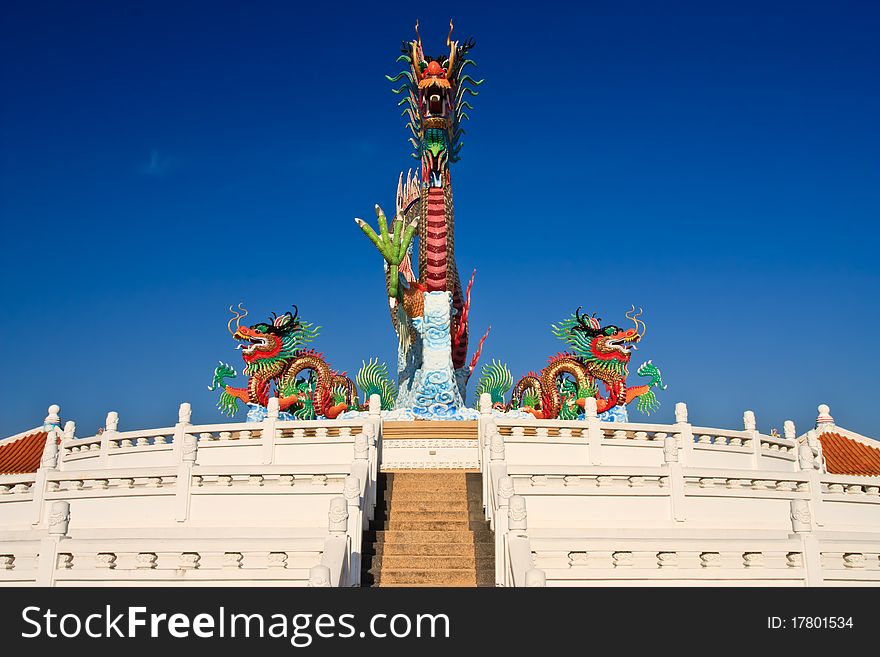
column 716, row 163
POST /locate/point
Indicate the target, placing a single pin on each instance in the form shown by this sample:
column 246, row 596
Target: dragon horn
column 449, row 38
column 295, row 311
column 241, row 317
column 644, row 326
column 418, row 38
column 229, row 323
column 631, row 315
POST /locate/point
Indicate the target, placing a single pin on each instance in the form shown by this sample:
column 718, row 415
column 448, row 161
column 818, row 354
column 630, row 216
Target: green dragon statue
column 274, row 354
column 601, row 355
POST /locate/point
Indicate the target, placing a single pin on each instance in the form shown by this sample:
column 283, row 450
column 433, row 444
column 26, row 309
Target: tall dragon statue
column 601, row 355
column 275, row 356
column 435, row 94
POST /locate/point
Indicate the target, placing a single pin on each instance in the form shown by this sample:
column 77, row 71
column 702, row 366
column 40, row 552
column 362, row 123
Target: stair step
column 457, row 485
column 424, row 536
column 428, row 525
column 427, row 562
column 446, row 576
column 407, row 515
column 478, row 550
column 430, row 505
column 417, row 495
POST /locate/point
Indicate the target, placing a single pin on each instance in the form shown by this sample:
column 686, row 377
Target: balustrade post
column 518, row 540
column 802, row 525
column 57, row 526
column 375, row 419
column 189, row 450
column 319, row 577
column 352, row 493
column 671, row 453
column 488, row 431
column 503, row 493
column 268, row 430
column 809, row 462
column 337, row 543
column 485, row 417
column 751, row 428
column 48, row 462
column 111, row 428
column 69, row 434
column 497, row 464
column 535, row 577
column 594, row 432
column 685, row 433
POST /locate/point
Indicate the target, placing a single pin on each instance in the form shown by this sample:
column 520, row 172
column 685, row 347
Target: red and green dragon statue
column 435, row 94
column 275, row 356
column 601, row 355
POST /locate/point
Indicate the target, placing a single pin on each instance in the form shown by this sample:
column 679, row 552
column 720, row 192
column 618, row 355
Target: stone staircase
column 429, row 531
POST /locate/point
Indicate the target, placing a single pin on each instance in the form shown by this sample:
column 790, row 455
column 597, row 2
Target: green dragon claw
column 222, row 371
column 392, row 246
column 228, row 404
column 648, row 369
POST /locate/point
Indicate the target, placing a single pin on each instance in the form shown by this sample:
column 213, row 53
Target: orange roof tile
column 23, row 454
column 848, row 457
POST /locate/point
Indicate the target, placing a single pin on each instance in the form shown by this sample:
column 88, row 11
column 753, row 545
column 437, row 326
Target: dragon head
column 269, row 341
column 435, row 102
column 609, row 342
column 593, row 341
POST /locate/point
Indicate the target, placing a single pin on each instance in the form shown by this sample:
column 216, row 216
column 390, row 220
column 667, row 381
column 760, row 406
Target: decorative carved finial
column 59, row 518
column 485, row 403
column 505, row 490
column 184, row 413
column 361, row 447
column 338, row 515
column 516, row 512
column 273, row 408
column 69, row 430
column 788, row 430
column 52, row 419
column 749, row 421
column 824, row 420
column 375, row 404
column 801, row 520
column 319, row 577
column 590, row 408
column 670, row 449
column 681, row 413
column 806, row 457
column 352, row 490
column 496, row 448
column 112, row 422
column 535, row 577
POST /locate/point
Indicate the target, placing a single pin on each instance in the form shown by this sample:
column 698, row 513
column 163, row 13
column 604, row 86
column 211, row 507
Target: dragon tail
column 373, row 379
column 496, row 379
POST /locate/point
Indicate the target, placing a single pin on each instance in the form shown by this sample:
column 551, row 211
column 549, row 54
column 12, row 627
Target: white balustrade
column 612, row 503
